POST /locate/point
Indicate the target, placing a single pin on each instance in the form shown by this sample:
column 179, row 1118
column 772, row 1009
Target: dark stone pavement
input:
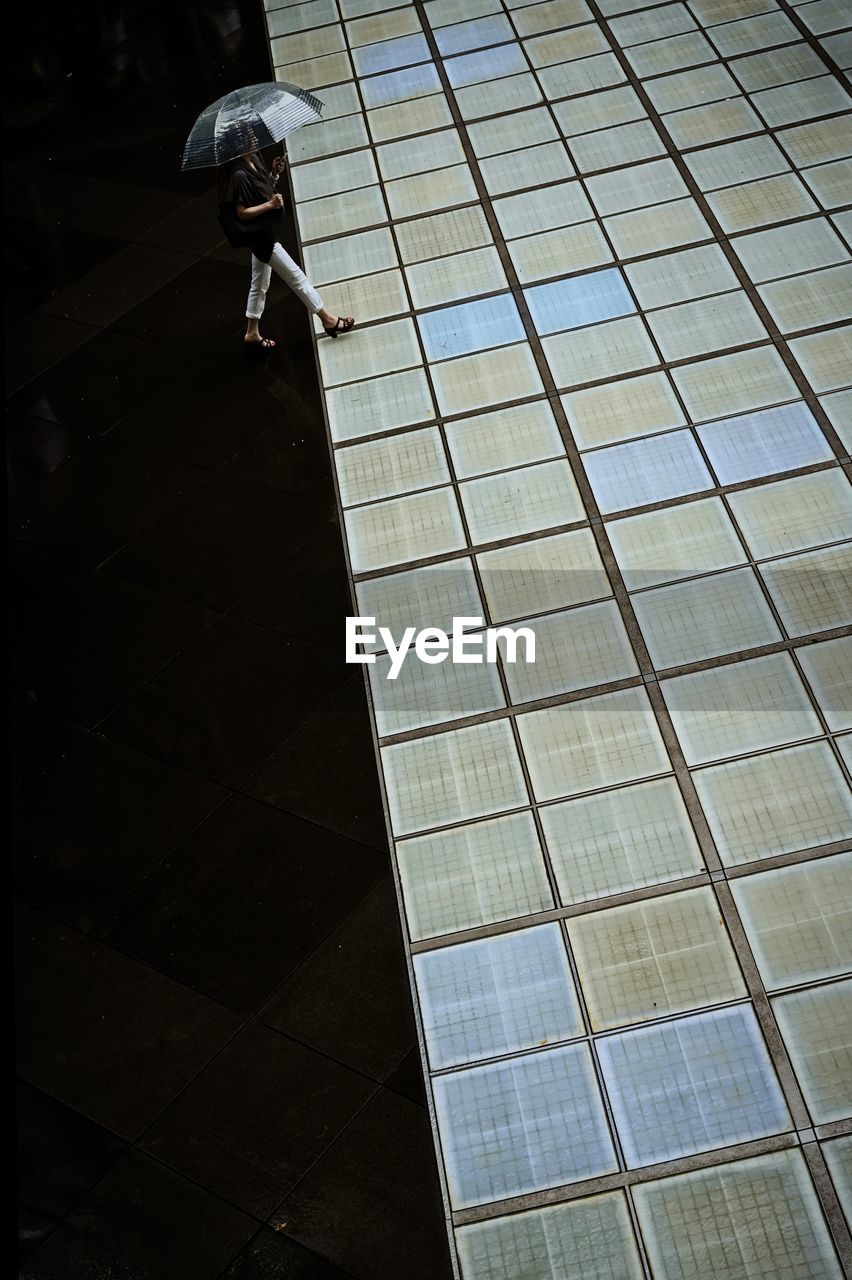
column 218, row 1074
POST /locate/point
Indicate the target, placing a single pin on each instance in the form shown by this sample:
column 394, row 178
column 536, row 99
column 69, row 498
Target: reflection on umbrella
column 246, row 120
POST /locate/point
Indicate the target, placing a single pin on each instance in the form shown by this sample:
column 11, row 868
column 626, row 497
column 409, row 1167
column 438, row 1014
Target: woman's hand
column 277, row 201
column 278, row 165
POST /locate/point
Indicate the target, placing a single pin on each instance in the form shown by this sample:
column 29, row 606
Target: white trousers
column 289, row 271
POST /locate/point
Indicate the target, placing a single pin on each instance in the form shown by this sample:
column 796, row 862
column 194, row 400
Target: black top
column 251, row 185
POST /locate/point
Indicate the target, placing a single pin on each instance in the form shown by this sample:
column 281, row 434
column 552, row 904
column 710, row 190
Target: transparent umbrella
column 246, row 120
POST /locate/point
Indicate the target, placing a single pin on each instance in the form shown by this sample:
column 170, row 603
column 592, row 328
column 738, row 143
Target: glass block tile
column 735, row 383
column 691, row 1085
column 443, row 233
column 598, row 111
column 843, row 221
column 473, row 875
column 712, row 122
column 543, row 209
column 691, row 621
column 315, row 73
column 442, row 13
column 338, row 100
column 778, row 66
column 677, row 542
column 433, row 151
column 827, row 669
column 759, row 1218
column 516, row 92
column 826, row 358
column 386, row 533
column 647, row 959
column 739, row 708
column 463, row 275
column 530, row 168
column 633, row 475
column 467, row 773
column 510, row 132
column 383, row 468
column 473, row 326
column 578, row 649
column 513, row 1127
column 759, row 32
column 660, row 56
column 790, row 515
column 581, row 300
column 597, row 742
column 754, row 204
column 308, row 44
column 606, row 148
column 632, row 407
column 512, row 503
column 359, row 409
column 387, row 54
column 709, row 12
column 371, row 297
column 400, row 86
column 427, row 597
column 350, row 256
column 531, row 18
column 838, row 1157
column 285, row 21
column 711, row 324
column 817, row 1028
column 825, row 15
column 489, row 998
column 476, row 34
column 791, row 103
column 547, row 573
column 761, row 444
column 382, row 26
column 431, row 693
column 831, row 183
column 565, row 46
column 400, row 119
column 817, row 142
column 638, row 28
column 665, row 226
column 554, row 253
column 806, row 301
column 436, row 190
column 838, row 408
column 385, row 348
column 590, row 1238
column 581, row 76
column 340, row 173
column 503, row 439
column 334, row 216
column 799, row 920
column 345, row 134
column 766, row 255
column 631, row 188
column 734, row 162
column 812, row 592
column 620, row 840
column 775, row 803
column 604, row 350
column 490, row 377
column 691, row 88
column 677, row 277
column 486, row 66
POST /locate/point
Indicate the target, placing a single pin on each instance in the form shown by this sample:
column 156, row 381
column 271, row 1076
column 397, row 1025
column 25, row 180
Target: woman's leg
column 293, row 275
column 261, row 274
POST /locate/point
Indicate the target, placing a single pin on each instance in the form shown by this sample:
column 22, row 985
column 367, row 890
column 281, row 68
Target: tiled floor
column 218, row 1064
column 600, row 255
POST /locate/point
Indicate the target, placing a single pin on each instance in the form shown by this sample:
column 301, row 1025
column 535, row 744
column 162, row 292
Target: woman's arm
column 255, row 210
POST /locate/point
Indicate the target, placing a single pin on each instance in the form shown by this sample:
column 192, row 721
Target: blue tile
column 490, row 64
column 568, row 304
column 473, row 326
column 762, row 444
column 390, row 53
column 633, row 475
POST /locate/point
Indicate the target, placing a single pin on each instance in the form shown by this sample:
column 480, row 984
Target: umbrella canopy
column 246, row 120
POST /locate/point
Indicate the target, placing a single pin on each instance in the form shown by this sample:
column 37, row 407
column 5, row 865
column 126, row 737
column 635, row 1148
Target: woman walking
column 247, row 191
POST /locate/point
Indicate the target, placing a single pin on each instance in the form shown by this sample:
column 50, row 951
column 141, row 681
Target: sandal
column 342, row 326
column 261, row 348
